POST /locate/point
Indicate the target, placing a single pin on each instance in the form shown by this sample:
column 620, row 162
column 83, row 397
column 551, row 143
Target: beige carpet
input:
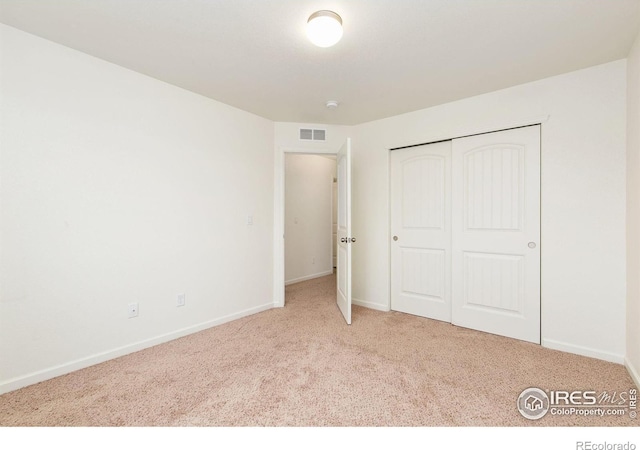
column 302, row 365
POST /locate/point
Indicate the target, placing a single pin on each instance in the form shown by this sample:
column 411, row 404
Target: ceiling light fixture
column 324, row 28
column 332, row 104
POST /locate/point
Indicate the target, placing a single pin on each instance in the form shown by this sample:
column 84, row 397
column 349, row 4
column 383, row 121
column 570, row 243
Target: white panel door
column 496, row 233
column 421, row 230
column 343, row 269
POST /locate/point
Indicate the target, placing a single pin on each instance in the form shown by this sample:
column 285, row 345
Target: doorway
column 308, row 216
column 344, row 236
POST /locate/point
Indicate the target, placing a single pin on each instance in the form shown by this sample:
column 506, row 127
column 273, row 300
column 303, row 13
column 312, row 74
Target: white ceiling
column 396, row 56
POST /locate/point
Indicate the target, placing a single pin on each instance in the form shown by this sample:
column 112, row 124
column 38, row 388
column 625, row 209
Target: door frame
column 278, row 215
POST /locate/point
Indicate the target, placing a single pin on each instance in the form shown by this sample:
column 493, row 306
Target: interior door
column 343, row 269
column 496, row 233
column 421, row 230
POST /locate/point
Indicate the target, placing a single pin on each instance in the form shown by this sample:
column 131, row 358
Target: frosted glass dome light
column 324, row 28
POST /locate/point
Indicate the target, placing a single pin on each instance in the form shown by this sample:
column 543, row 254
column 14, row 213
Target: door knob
column 353, row 239
column 343, row 240
column 395, row 238
column 531, row 245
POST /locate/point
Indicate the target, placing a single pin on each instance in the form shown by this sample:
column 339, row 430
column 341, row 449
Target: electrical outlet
column 249, row 220
column 133, row 310
column 181, row 300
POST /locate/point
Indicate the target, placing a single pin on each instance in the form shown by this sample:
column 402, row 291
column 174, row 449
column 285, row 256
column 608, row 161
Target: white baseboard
column 308, row 277
column 583, row 351
column 72, row 366
column 633, row 371
column 370, row 305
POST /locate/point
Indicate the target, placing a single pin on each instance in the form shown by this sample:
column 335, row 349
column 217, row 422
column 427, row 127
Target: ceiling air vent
column 308, row 134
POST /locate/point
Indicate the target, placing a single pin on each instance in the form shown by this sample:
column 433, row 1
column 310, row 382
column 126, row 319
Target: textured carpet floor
column 302, row 365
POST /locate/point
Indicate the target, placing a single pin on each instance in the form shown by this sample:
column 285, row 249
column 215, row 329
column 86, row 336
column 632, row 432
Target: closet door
column 496, row 233
column 421, row 230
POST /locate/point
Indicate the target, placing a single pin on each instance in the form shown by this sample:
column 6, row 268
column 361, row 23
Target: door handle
column 343, row 240
column 395, row 238
column 531, row 245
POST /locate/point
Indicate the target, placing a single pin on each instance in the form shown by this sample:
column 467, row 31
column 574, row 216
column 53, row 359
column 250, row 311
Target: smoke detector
column 332, row 104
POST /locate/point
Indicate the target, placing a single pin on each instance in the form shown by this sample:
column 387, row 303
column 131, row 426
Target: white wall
column 119, row 188
column 633, row 211
column 308, row 217
column 583, row 197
